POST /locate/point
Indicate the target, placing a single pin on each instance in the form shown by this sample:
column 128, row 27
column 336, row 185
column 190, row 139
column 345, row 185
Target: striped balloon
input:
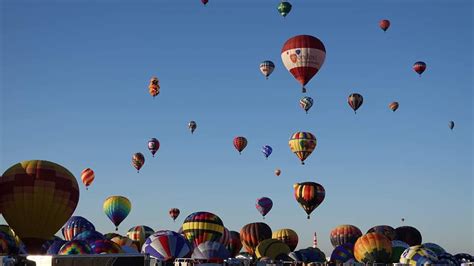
column 200, row 227
column 303, row 56
column 417, row 255
column 309, row 195
column 166, row 245
column 212, row 251
column 104, row 246
column 343, row 234
column 225, row 238
column 272, row 248
column 138, row 160
column 385, row 230
column 125, row 241
column 355, row 100
column 139, row 234
column 302, row 144
column 267, row 67
column 342, row 253
column 264, row 205
column 117, row 209
column 235, row 245
column 306, row 103
column 393, row 106
column 419, row 67
column 75, row 247
column 252, row 234
column 76, row 225
column 87, row 176
column 240, row 143
column 287, row 236
column 373, row 248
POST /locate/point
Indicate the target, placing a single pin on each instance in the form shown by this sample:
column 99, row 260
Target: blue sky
column 74, row 91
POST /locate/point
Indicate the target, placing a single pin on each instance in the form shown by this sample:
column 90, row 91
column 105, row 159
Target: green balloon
column 284, row 8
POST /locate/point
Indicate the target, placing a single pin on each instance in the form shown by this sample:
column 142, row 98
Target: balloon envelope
column 309, row 195
column 200, row 227
column 166, row 245
column 271, row 248
column 409, row 235
column 75, row 247
column 373, row 248
column 417, row 255
column 139, row 234
column 235, row 244
column 210, row 250
column 76, row 225
column 287, row 236
column 264, row 205
column 252, row 234
column 302, row 144
column 117, row 209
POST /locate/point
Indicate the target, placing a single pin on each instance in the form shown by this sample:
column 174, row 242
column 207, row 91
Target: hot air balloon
column 393, row 106
column 342, row 253
column 54, row 248
column 409, row 235
column 87, row 176
column 287, row 236
column 109, row 236
column 200, row 227
column 138, row 160
column 464, row 257
column 309, row 195
column 75, row 247
column 212, row 251
column 55, row 192
column 451, row 125
column 384, row 24
column 343, row 234
column 302, row 144
column 104, row 246
column 272, row 248
column 264, row 205
column 235, row 245
column 192, row 126
column 139, row 234
column 373, row 248
column 267, row 67
column 306, row 103
column 303, row 56
column 125, row 241
column 284, row 8
column 154, row 87
column 240, row 143
column 385, row 230
column 437, row 249
column 312, row 255
column 174, row 213
column 153, row 146
column 76, row 225
column 165, row 245
column 117, row 209
column 267, row 150
column 252, row 234
column 397, row 249
column 277, row 172
column 417, row 255
column 204, row 2
column 447, row 259
column 225, row 238
column 419, row 67
column 355, row 101
column 89, row 236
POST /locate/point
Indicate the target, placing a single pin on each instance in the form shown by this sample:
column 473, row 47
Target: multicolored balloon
column 125, row 241
column 309, row 195
column 277, row 172
column 55, row 192
column 393, row 106
column 267, row 150
column 200, row 227
column 75, row 247
column 342, row 253
column 54, row 248
column 165, row 245
column 451, row 125
column 419, row 67
column 287, row 236
column 373, row 248
column 417, row 255
column 204, row 2
column 284, row 8
column 139, row 234
column 154, row 87
column 409, row 235
column 343, row 234
column 117, row 209
column 240, row 143
column 174, row 213
column 225, row 238
column 89, row 236
column 272, row 248
column 264, row 205
column 138, row 160
column 306, row 103
column 302, row 144
column 267, row 67
column 397, row 249
column 211, row 250
column 303, row 56
column 87, row 177
column 192, row 126
column 153, row 146
column 385, row 230
column 384, row 24
column 235, row 245
column 104, row 246
column 252, row 234
column 355, row 101
column 76, row 225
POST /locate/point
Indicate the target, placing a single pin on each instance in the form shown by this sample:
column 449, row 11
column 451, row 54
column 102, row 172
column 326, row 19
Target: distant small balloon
column 204, row 1
column 192, row 126
column 240, row 143
column 451, row 125
column 267, row 150
column 87, row 177
column 393, row 106
column 419, row 67
column 277, row 172
column 267, row 67
column 153, row 146
column 138, row 160
column 154, row 87
column 284, row 8
column 355, row 101
column 306, row 103
column 384, row 24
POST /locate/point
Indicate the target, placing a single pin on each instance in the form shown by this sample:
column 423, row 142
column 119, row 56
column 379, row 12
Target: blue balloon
column 267, row 150
column 55, row 247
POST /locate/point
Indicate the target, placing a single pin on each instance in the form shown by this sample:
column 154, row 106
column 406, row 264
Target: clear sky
column 74, row 91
